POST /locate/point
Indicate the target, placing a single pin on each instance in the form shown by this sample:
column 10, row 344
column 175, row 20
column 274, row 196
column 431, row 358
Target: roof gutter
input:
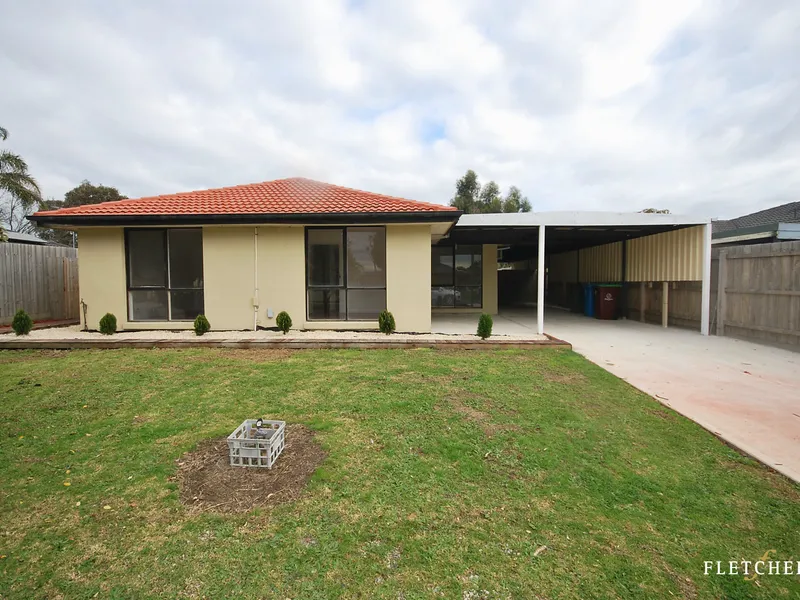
column 45, row 220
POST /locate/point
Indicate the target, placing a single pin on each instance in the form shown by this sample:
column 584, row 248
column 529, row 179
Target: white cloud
column 614, row 104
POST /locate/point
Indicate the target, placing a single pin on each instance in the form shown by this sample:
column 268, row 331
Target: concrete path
column 746, row 393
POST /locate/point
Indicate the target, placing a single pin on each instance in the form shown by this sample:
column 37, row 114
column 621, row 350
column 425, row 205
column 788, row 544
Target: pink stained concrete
column 746, row 393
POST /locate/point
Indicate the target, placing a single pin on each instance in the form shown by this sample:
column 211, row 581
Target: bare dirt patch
column 473, row 415
column 662, row 413
column 209, row 484
column 568, row 378
column 12, row 356
column 257, row 355
column 480, row 418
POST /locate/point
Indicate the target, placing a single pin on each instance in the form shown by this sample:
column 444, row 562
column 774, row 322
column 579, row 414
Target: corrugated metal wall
column 563, row 267
column 669, row 256
column 601, row 263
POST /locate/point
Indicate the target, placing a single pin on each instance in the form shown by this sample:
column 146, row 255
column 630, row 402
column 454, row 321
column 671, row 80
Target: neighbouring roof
column 785, row 213
column 285, row 200
column 25, row 238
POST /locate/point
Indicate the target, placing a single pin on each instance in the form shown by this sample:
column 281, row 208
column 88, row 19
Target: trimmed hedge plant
column 22, row 323
column 485, row 326
column 386, row 322
column 201, row 325
column 283, row 321
column 108, row 324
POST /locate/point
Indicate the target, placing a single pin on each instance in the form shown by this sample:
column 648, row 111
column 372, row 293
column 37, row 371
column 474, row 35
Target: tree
column 19, row 192
column 85, row 193
column 13, row 213
column 467, row 193
column 655, row 211
column 470, row 197
column 515, row 201
column 490, row 201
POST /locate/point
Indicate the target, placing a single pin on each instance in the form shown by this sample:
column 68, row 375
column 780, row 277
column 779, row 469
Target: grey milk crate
column 247, row 450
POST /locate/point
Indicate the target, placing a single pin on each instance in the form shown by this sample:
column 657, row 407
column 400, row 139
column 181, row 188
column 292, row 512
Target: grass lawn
column 446, row 472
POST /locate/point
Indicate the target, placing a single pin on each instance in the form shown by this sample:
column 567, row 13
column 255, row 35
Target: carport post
column 540, row 285
column 705, row 293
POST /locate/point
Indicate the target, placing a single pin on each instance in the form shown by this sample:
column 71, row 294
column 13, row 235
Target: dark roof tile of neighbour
column 785, row 213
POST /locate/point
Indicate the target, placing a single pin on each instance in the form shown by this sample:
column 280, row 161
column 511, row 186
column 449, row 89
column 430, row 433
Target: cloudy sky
column 605, row 105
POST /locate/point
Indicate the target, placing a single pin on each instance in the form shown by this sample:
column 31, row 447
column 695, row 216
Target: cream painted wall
column 281, row 274
column 101, row 274
column 408, row 276
column 490, row 279
column 489, row 297
column 228, row 276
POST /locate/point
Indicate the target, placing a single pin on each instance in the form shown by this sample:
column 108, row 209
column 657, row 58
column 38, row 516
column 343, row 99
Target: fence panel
column 42, row 280
column 761, row 290
column 760, row 298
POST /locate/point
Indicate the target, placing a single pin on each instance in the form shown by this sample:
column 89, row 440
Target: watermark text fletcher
column 751, row 567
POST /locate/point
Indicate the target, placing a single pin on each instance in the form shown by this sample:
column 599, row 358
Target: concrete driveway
column 746, row 393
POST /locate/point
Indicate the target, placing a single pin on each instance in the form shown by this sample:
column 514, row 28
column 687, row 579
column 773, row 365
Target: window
column 457, row 276
column 165, row 274
column 346, row 273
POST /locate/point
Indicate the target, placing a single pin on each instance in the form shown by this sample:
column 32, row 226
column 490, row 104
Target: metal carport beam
column 705, row 288
column 540, row 285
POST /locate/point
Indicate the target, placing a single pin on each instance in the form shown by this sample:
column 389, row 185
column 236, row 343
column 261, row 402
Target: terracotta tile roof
column 280, row 197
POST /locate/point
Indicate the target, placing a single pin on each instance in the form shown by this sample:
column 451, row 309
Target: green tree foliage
column 386, row 322
column 515, row 201
column 22, row 323
column 19, row 191
column 108, row 324
column 656, row 211
column 85, row 193
column 490, row 200
column 471, row 197
column 485, row 324
column 283, row 321
column 467, row 193
column 201, row 325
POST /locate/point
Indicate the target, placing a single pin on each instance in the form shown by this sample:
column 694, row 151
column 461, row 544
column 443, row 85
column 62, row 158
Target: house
column 776, row 224
column 335, row 257
column 330, row 256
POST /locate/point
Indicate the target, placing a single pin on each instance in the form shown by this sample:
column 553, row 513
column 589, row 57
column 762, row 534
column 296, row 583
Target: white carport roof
column 572, row 230
column 578, row 219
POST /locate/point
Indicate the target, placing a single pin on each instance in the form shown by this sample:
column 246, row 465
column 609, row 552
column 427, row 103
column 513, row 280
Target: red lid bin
column 605, row 301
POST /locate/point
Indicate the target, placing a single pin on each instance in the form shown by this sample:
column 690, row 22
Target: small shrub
column 283, row 321
column 386, row 322
column 22, row 323
column 485, row 326
column 201, row 325
column 108, row 324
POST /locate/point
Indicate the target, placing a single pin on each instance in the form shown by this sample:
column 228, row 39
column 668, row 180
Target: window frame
column 344, row 288
column 453, row 286
column 168, row 286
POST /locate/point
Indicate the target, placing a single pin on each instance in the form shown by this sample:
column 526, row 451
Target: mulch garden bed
column 209, row 484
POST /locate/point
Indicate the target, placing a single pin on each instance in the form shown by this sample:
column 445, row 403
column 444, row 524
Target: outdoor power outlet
column 269, row 313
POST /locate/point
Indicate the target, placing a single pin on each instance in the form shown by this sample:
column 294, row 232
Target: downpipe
column 255, row 278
